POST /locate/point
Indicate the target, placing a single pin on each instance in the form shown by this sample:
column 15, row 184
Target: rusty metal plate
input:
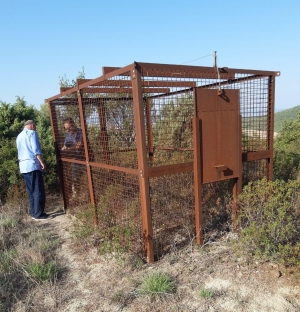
column 220, row 134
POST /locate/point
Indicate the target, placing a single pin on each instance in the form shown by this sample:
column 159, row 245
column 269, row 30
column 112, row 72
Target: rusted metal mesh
column 172, row 209
column 118, row 205
column 112, row 152
column 255, row 110
column 254, row 170
column 110, row 122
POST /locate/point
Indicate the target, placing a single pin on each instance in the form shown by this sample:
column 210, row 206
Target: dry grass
column 86, row 281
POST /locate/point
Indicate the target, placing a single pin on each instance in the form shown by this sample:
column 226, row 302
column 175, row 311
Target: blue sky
column 44, row 40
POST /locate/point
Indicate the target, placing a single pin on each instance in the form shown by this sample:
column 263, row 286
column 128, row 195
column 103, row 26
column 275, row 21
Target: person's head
column 69, row 125
column 30, row 124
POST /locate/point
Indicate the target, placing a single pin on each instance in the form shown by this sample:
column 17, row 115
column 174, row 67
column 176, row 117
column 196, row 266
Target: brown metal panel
column 219, row 115
column 142, row 163
column 170, row 169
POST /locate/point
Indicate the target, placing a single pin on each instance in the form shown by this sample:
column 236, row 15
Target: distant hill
column 282, row 116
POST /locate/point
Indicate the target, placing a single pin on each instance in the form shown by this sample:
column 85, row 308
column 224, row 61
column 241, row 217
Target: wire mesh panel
column 75, row 180
column 117, row 199
column 254, row 108
column 108, row 108
column 216, row 199
column 172, row 208
column 254, row 170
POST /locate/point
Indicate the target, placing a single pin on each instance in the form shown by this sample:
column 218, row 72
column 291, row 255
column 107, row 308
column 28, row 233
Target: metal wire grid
column 62, row 108
column 254, row 108
column 254, row 170
column 75, row 180
column 216, row 199
column 110, row 121
column 172, row 208
column 117, row 199
column 168, row 114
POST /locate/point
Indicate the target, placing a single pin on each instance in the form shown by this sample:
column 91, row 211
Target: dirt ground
column 89, row 282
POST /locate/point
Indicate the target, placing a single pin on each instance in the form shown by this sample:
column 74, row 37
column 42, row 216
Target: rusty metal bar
column 271, row 110
column 142, row 162
column 84, row 135
column 115, row 168
column 181, row 71
column 169, row 169
column 123, row 90
column 198, row 179
column 250, row 156
column 249, row 71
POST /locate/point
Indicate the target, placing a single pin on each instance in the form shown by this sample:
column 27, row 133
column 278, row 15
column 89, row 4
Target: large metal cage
column 155, row 138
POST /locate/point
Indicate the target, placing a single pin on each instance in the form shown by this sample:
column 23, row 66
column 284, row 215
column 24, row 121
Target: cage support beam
column 142, row 162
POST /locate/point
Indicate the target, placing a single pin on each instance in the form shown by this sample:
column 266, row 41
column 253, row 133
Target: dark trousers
column 36, row 192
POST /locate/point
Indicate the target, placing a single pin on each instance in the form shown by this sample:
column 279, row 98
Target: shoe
column 43, row 216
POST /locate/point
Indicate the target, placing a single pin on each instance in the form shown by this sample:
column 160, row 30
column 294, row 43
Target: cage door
column 220, row 134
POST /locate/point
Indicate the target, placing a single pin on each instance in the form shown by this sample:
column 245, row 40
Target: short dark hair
column 69, row 120
column 29, row 122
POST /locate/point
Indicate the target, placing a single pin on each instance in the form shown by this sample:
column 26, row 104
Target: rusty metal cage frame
column 145, row 92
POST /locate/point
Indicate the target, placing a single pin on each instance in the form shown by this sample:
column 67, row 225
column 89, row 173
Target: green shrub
column 269, row 221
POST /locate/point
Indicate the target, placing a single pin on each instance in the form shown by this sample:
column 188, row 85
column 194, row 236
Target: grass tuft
column 206, row 293
column 157, row 284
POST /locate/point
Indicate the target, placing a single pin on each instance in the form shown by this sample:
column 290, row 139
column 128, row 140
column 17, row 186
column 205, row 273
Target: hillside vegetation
column 285, row 115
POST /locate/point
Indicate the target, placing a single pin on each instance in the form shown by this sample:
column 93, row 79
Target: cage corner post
column 197, row 129
column 142, row 161
column 271, row 111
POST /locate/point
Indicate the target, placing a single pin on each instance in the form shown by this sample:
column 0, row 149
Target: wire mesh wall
column 133, row 153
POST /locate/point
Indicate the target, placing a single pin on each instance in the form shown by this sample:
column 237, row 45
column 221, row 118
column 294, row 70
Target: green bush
column 269, row 221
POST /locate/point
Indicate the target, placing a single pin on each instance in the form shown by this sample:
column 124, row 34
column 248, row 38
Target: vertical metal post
column 142, row 161
column 237, row 186
column 197, row 173
column 88, row 167
column 271, row 109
